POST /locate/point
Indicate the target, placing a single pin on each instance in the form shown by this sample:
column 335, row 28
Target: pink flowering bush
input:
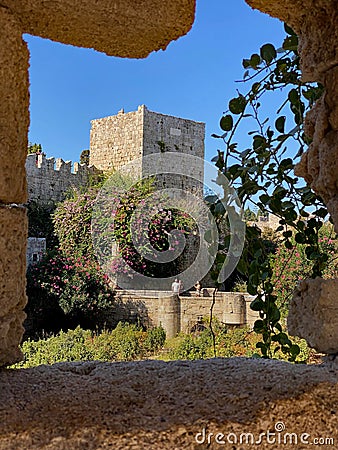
column 72, row 223
column 69, row 288
column 74, row 287
column 136, row 214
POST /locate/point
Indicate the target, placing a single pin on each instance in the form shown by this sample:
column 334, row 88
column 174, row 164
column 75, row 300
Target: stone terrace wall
column 49, row 179
column 231, row 308
column 180, row 313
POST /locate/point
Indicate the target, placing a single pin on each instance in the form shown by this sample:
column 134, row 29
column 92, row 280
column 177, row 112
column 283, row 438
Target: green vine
column 263, row 174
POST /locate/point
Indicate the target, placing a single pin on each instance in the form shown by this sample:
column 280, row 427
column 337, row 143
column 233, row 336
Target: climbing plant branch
column 263, row 174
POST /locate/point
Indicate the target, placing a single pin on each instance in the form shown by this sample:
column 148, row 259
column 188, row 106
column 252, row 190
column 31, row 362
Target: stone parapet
column 49, row 179
column 157, row 405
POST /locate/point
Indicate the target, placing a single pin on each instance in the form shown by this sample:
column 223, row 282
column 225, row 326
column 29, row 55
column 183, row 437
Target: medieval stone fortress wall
column 116, row 141
column 49, row 179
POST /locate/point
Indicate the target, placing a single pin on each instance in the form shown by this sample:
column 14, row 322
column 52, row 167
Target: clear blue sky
column 194, row 78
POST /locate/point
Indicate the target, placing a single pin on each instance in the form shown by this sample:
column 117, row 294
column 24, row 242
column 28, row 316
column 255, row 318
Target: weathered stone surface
column 331, row 97
column 314, row 314
column 315, row 22
column 157, row 405
column 319, row 165
column 119, row 28
column 14, row 116
column 117, row 140
column 13, row 237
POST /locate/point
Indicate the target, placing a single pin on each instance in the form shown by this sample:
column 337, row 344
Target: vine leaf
column 268, row 53
column 226, row 122
column 237, row 105
column 280, row 124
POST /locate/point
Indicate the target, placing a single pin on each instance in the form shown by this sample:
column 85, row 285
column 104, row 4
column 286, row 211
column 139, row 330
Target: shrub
column 72, row 223
column 121, row 344
column 76, row 285
column 291, row 265
column 154, row 340
column 125, row 343
column 193, row 347
column 131, row 212
column 70, row 346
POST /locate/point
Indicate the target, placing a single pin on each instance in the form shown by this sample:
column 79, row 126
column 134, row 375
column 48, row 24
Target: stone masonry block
column 14, row 115
column 13, row 239
column 119, row 28
column 314, row 314
column 315, row 22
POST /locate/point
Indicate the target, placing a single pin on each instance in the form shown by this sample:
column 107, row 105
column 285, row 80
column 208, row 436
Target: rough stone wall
column 120, row 139
column 49, row 180
column 14, row 120
column 13, row 237
column 118, row 28
column 163, row 133
column 219, row 403
column 116, row 140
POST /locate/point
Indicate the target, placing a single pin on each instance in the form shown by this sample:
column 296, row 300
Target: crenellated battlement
column 49, row 179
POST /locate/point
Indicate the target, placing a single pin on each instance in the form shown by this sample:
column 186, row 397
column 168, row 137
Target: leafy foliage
column 40, row 223
column 74, row 283
column 291, row 265
column 228, row 342
column 34, row 148
column 263, row 174
column 120, row 224
column 126, row 342
column 84, row 157
column 72, row 222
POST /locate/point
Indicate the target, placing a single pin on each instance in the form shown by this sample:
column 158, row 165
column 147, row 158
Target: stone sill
column 163, row 405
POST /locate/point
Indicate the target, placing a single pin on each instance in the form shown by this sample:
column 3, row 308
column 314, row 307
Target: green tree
column 84, row 157
column 40, row 222
column 34, row 148
column 249, row 215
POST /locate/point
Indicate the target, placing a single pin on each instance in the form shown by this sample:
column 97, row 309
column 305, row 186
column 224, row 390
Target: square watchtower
column 117, row 140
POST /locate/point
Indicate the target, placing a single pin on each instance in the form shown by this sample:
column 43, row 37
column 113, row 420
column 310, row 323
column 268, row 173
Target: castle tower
column 117, row 140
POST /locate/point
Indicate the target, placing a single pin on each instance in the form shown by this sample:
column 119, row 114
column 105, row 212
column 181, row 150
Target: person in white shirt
column 176, row 286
